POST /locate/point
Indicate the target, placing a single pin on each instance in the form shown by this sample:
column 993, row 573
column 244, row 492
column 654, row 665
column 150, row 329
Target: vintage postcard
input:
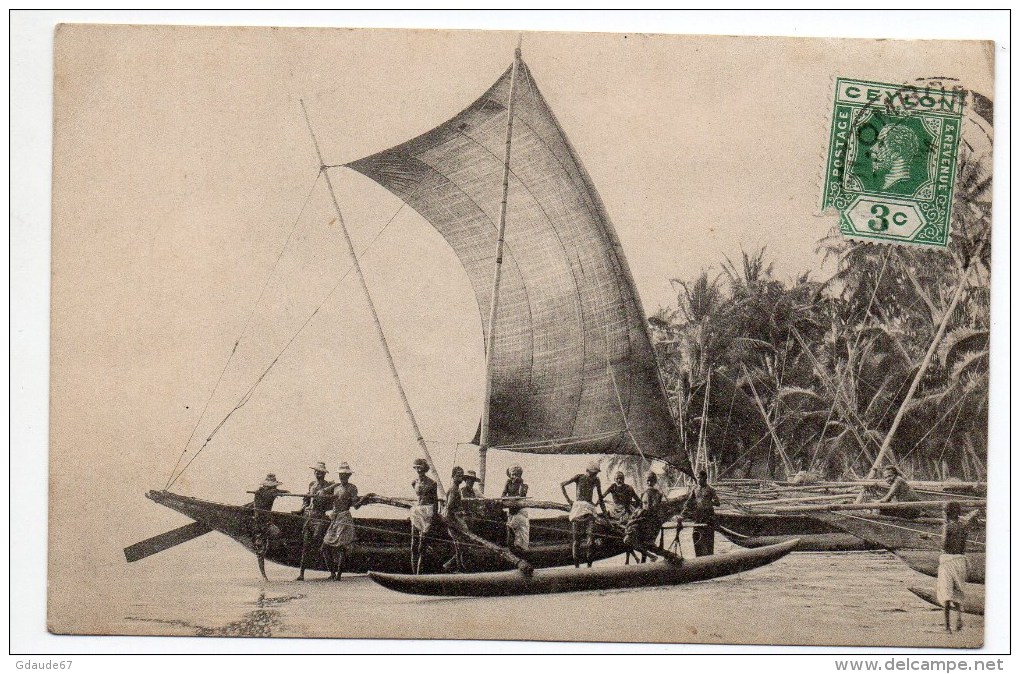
column 540, row 336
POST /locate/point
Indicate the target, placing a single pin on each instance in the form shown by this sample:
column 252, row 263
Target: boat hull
column 762, row 529
column 973, row 598
column 927, row 562
column 383, row 544
column 549, row 581
column 897, row 533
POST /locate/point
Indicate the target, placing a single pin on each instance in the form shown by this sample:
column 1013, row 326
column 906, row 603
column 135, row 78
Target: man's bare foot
column 301, row 577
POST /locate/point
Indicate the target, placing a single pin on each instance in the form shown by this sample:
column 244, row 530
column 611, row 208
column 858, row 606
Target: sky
column 183, row 167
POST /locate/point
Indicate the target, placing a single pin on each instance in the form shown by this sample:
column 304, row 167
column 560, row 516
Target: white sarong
column 421, row 517
column 952, row 576
column 582, row 509
column 341, row 531
column 520, row 526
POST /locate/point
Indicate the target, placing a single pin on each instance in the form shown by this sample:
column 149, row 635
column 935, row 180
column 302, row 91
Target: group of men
column 641, row 517
column 329, row 528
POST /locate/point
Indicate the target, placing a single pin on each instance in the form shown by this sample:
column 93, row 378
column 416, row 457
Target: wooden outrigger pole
column 490, row 340
column 371, row 305
column 943, row 324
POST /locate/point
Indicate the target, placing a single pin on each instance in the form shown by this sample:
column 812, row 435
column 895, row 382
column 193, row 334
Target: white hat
column 344, row 469
column 594, row 467
column 271, row 481
column 320, row 467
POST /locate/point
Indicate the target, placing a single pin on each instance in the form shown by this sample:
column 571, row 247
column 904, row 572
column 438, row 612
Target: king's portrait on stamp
column 892, row 160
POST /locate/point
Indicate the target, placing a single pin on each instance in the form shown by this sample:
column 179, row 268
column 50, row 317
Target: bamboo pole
column 943, row 324
column 901, row 505
column 490, row 338
column 371, row 305
column 768, row 423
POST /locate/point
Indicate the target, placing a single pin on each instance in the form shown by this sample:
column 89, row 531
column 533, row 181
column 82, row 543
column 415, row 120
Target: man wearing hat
column 263, row 529
column 467, row 489
column 900, row 491
column 582, row 510
column 423, row 512
column 338, row 543
column 314, row 507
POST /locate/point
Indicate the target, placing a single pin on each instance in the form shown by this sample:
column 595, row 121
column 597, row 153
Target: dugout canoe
column 897, row 533
column 550, row 581
column 383, row 544
column 756, row 530
column 927, row 562
column 973, row 598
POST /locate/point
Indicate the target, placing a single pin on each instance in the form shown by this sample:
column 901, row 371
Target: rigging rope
column 247, row 396
column 244, row 329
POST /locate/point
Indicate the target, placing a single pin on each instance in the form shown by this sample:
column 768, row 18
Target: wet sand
column 803, row 599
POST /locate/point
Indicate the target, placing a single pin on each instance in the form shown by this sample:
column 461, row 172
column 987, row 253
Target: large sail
column 573, row 366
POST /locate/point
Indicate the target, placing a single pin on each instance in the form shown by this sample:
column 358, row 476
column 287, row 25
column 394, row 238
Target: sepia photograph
column 521, row 335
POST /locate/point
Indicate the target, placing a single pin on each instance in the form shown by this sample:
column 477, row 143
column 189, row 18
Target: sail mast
column 490, row 341
column 371, row 305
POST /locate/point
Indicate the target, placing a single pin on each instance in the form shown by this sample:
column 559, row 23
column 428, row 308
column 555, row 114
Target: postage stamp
column 892, row 161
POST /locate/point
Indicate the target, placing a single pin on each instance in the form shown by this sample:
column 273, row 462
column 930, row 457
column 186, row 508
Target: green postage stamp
column 892, row 161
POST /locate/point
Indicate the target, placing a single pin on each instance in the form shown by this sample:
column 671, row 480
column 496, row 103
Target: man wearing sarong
column 518, row 526
column 338, row 543
column 423, row 512
column 314, row 507
column 263, row 530
column 582, row 511
column 700, row 508
column 454, row 513
column 900, row 491
column 645, row 524
column 953, row 562
column 625, row 499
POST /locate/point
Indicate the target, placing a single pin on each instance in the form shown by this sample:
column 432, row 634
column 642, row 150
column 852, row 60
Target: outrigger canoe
column 756, row 530
column 550, row 581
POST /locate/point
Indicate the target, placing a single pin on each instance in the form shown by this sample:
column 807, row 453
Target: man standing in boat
column 314, row 507
column 900, row 491
column 625, row 499
column 338, row 543
column 423, row 512
column 454, row 513
column 644, row 526
column 583, row 512
column 700, row 508
column 518, row 526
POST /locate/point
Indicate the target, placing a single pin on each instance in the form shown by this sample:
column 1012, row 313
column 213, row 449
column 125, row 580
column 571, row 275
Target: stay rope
column 244, row 330
column 247, row 395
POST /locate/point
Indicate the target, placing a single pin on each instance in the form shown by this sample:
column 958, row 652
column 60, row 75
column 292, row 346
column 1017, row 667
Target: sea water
column 214, row 589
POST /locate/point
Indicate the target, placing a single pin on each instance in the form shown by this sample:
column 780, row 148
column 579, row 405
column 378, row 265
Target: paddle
column 167, row 540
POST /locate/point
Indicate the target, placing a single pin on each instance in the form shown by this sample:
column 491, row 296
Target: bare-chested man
column 583, row 512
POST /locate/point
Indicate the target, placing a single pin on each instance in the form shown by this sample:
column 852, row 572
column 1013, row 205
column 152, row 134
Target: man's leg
column 945, row 613
column 306, row 536
column 959, row 616
column 574, row 542
column 589, row 539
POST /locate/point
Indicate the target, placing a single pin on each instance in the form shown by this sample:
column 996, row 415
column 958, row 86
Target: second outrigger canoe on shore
column 549, row 581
